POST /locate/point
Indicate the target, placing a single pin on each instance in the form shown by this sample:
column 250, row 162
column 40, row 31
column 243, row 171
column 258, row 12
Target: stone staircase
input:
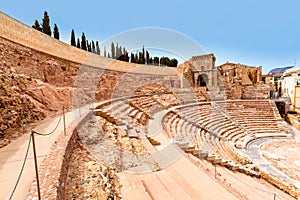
column 216, row 94
column 174, row 182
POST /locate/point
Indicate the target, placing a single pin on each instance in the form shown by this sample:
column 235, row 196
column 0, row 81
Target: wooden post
column 64, row 118
column 36, row 165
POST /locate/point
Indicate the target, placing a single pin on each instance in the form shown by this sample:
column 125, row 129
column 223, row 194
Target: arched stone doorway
column 202, row 80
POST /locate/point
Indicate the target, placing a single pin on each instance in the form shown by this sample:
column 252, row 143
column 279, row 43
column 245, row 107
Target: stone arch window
column 202, row 68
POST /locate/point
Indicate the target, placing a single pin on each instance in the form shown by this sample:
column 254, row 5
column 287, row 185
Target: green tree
column 108, row 55
column 164, row 61
column 140, row 58
column 37, row 26
column 136, row 58
column 120, row 51
column 83, row 42
column 132, row 60
column 73, row 41
column 97, row 48
column 104, row 53
column 147, row 58
column 113, row 51
column 56, row 32
column 143, row 56
column 93, row 47
column 89, row 48
column 173, row 63
column 126, row 56
column 156, row 60
column 46, row 24
column 150, row 61
column 117, row 51
column 78, row 43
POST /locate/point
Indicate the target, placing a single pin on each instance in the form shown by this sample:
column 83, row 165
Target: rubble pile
column 120, row 137
column 88, row 179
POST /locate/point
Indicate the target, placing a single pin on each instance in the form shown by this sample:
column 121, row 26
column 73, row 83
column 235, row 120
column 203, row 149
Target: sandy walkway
column 12, row 155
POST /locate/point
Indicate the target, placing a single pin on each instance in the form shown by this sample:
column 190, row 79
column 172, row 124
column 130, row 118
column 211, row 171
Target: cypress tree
column 147, row 58
column 126, row 56
column 78, row 43
column 73, row 41
column 136, row 58
column 46, row 24
column 97, row 48
column 56, row 32
column 89, row 48
column 143, row 57
column 93, row 47
column 108, row 55
column 141, row 60
column 117, row 51
column 120, row 51
column 104, row 54
column 156, row 60
column 113, row 50
column 37, row 26
column 132, row 60
column 83, row 42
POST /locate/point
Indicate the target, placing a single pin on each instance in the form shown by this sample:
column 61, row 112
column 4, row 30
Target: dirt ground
column 284, row 155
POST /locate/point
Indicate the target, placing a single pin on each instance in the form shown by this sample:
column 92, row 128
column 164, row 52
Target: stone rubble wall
column 261, row 91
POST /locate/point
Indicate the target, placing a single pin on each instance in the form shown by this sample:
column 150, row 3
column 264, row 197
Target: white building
column 289, row 86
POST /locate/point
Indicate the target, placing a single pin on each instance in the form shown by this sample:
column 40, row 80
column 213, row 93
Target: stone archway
column 202, row 80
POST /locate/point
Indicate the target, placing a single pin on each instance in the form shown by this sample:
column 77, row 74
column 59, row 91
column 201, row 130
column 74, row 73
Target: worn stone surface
column 113, row 147
column 89, row 179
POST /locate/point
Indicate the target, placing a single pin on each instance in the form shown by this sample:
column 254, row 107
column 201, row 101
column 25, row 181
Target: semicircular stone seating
column 213, row 130
column 133, row 113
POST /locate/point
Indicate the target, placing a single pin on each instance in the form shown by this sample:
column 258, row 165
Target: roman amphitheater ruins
column 198, row 131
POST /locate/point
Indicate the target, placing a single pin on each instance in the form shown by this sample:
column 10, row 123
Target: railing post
column 36, row 165
column 64, row 120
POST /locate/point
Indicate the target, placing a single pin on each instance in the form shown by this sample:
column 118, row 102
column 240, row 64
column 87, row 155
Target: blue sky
column 251, row 32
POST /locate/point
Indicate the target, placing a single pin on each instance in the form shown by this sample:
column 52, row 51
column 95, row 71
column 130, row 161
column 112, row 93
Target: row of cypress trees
column 84, row 44
column 45, row 26
column 117, row 52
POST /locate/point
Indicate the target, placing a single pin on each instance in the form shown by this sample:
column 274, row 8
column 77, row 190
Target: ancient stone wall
column 20, row 33
column 261, row 91
column 86, row 83
column 245, row 75
column 243, row 82
column 203, row 62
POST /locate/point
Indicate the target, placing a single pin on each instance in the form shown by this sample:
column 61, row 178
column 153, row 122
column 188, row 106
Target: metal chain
column 20, row 174
column 52, row 130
